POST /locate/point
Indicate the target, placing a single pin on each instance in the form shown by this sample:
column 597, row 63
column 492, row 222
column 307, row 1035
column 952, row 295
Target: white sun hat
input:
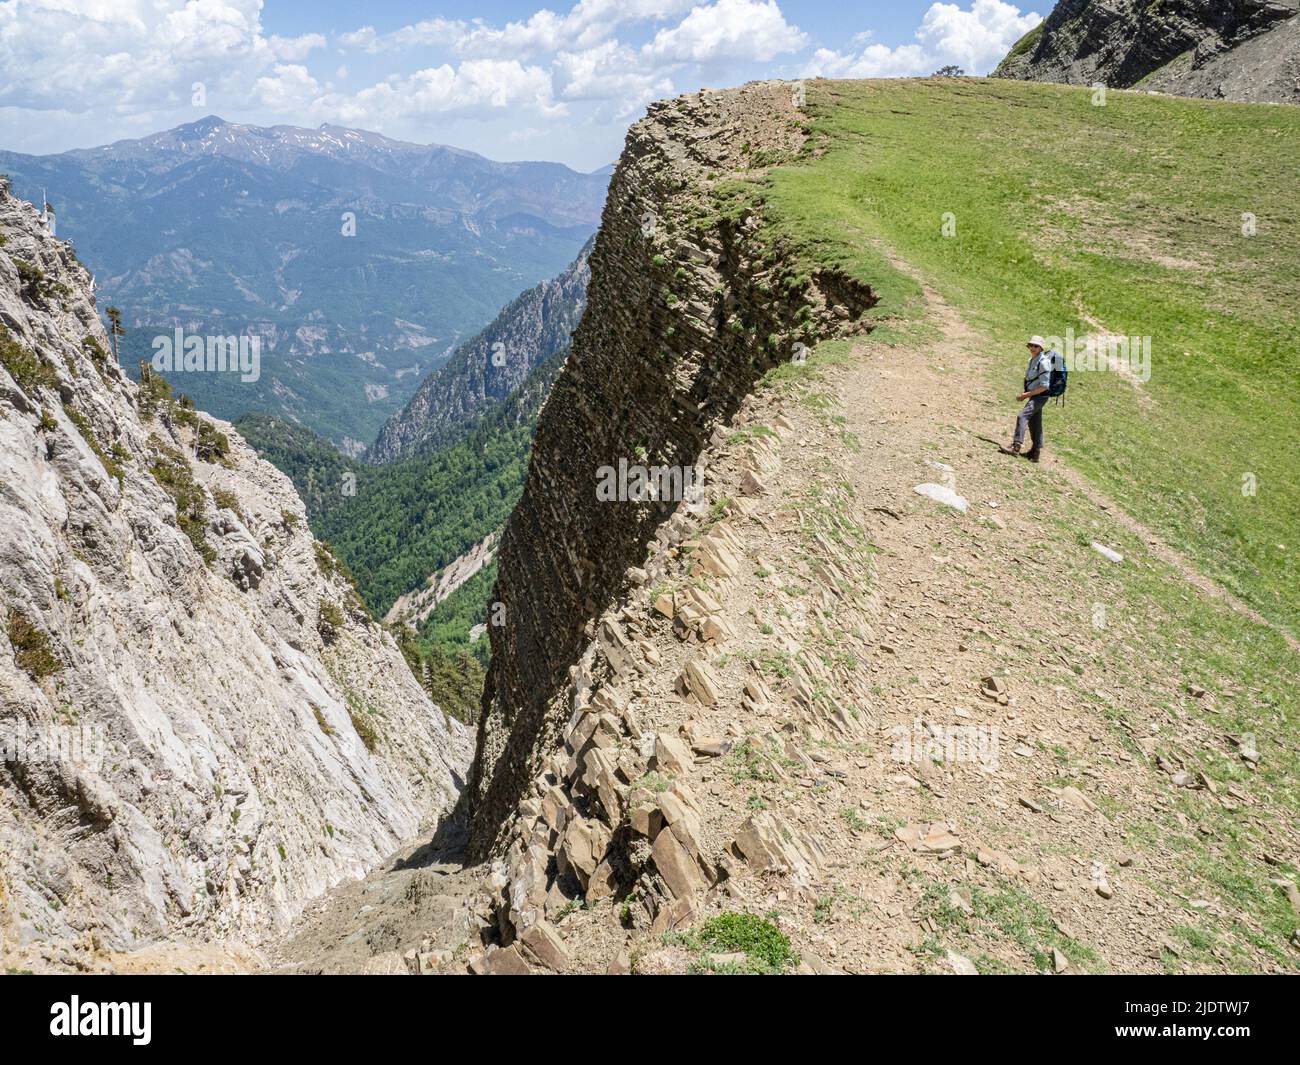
column 1038, row 341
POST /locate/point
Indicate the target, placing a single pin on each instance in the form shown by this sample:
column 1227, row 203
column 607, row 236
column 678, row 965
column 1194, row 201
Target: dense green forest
column 450, row 624
column 407, row 520
column 452, row 676
column 412, row 518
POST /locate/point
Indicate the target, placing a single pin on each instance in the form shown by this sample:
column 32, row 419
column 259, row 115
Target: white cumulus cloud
column 610, row 73
column 973, row 39
column 728, row 30
column 84, row 56
column 478, row 87
column 287, row 89
column 291, row 48
column 586, row 24
column 436, row 31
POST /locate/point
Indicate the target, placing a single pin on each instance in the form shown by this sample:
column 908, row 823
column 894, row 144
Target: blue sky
column 512, row 80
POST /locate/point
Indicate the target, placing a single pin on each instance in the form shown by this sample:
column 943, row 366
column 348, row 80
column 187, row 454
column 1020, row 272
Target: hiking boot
column 1014, row 449
column 1033, row 456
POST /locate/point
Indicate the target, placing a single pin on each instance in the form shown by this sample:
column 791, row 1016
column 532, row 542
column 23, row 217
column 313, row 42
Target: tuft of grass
column 766, row 948
column 853, row 817
column 747, row 761
column 653, row 782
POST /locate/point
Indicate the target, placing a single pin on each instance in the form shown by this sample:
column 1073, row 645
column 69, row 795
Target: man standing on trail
column 1038, row 379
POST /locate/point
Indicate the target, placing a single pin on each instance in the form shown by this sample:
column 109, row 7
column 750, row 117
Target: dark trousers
column 1031, row 418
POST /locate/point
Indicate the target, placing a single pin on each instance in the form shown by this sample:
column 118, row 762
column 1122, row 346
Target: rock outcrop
column 687, row 307
column 1247, row 51
column 484, row 371
column 202, row 728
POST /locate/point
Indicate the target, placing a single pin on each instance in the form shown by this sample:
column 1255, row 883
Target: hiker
column 1038, row 386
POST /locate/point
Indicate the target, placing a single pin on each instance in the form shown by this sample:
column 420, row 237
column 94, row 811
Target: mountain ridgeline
column 1248, row 51
column 359, row 261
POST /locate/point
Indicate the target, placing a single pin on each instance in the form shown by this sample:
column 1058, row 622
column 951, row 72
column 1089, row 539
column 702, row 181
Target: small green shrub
column 330, row 621
column 32, row 650
column 225, row 499
column 325, row 560
column 95, row 350
column 765, row 946
column 172, row 472
column 155, row 394
column 35, row 286
column 186, row 417
column 29, row 371
column 211, row 445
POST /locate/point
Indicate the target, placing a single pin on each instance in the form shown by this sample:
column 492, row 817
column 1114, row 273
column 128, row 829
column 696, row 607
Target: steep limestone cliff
column 687, row 307
column 1247, row 51
column 201, row 728
column 483, row 372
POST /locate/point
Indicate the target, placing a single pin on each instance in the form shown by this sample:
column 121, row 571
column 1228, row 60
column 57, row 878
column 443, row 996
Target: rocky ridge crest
column 1249, row 52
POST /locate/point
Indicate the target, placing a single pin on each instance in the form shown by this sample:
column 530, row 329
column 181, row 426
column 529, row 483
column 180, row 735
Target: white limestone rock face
column 185, row 754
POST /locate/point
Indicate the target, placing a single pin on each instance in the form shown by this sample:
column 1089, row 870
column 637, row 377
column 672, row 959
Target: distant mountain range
column 222, row 228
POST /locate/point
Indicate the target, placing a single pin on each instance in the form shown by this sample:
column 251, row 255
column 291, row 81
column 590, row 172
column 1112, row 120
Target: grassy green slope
column 1129, row 215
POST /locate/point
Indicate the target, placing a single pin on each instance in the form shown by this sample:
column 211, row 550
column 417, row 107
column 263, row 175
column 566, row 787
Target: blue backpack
column 1057, row 383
